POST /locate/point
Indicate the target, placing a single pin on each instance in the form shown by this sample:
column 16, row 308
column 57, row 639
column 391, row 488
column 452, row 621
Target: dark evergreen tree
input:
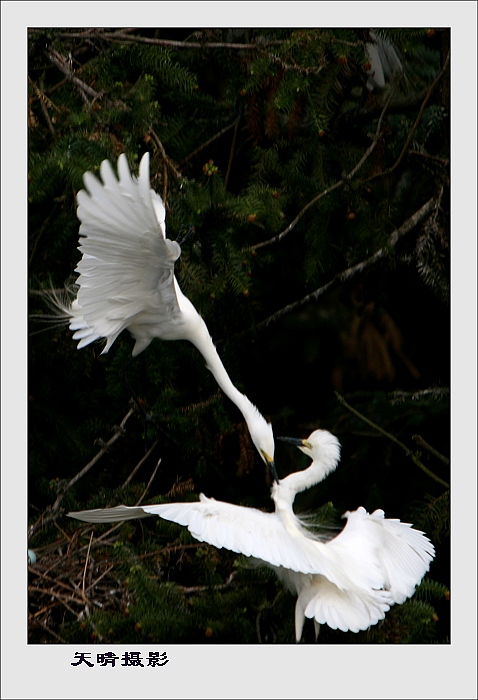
column 318, row 202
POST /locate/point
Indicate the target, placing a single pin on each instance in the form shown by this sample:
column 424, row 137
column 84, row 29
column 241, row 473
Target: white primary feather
column 348, row 582
column 126, row 280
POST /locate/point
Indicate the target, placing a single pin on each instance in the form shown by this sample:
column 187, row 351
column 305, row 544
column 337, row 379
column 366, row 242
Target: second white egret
column 348, row 582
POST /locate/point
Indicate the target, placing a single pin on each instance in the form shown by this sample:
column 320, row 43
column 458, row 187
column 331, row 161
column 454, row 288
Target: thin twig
column 61, row 598
column 140, row 464
column 415, row 125
column 54, row 634
column 423, row 443
column 211, row 140
column 86, row 566
column 149, row 483
column 218, row 587
column 166, row 158
column 350, row 272
column 231, row 152
column 107, row 571
column 443, row 161
column 43, row 102
column 412, row 455
column 52, row 512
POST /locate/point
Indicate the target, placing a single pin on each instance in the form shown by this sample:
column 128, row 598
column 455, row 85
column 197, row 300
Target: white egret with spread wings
column 126, row 281
column 348, row 582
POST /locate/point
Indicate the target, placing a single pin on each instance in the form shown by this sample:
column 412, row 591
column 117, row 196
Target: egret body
column 126, row 281
column 348, row 582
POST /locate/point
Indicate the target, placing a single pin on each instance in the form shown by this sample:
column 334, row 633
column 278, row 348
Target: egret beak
column 272, row 467
column 298, row 442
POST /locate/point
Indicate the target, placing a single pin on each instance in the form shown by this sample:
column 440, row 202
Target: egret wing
column 405, row 554
column 110, row 515
column 264, row 536
column 240, row 529
column 388, row 553
column 127, row 268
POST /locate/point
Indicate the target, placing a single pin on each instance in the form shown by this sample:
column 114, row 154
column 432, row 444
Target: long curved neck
column 314, row 474
column 285, row 491
column 203, row 342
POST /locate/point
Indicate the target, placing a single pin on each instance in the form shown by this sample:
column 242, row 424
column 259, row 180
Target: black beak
column 293, row 441
column 273, row 471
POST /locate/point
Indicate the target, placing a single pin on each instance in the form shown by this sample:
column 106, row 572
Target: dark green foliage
column 246, row 144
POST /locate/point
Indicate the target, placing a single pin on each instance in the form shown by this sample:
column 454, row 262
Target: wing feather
column 110, row 515
column 126, row 274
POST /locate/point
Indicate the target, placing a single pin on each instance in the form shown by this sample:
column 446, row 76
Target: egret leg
column 317, row 630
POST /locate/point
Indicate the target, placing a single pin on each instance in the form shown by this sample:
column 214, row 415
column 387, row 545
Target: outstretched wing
column 405, row 554
column 399, row 554
column 247, row 531
column 127, row 269
column 239, row 529
column 110, row 515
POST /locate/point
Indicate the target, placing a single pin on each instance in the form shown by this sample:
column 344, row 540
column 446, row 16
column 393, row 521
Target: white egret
column 385, row 63
column 126, row 281
column 348, row 582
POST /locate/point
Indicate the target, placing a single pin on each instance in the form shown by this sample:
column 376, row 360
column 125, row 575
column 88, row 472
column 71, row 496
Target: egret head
column 263, row 439
column 322, row 447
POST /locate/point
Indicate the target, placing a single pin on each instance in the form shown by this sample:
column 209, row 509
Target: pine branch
column 345, row 179
column 346, row 275
column 122, row 37
column 63, row 65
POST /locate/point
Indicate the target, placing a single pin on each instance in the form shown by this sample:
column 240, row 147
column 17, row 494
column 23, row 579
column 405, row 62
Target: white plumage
column 126, row 280
column 348, row 582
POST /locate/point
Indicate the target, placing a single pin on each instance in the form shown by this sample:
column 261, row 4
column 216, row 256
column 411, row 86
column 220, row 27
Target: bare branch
column 217, row 587
column 423, row 443
column 123, row 37
column 346, row 275
column 86, row 566
column 140, row 464
column 63, row 65
column 52, row 512
column 166, row 158
column 141, row 498
column 443, row 161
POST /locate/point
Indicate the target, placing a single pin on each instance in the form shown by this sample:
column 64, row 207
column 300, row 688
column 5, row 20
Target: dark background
column 282, row 119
